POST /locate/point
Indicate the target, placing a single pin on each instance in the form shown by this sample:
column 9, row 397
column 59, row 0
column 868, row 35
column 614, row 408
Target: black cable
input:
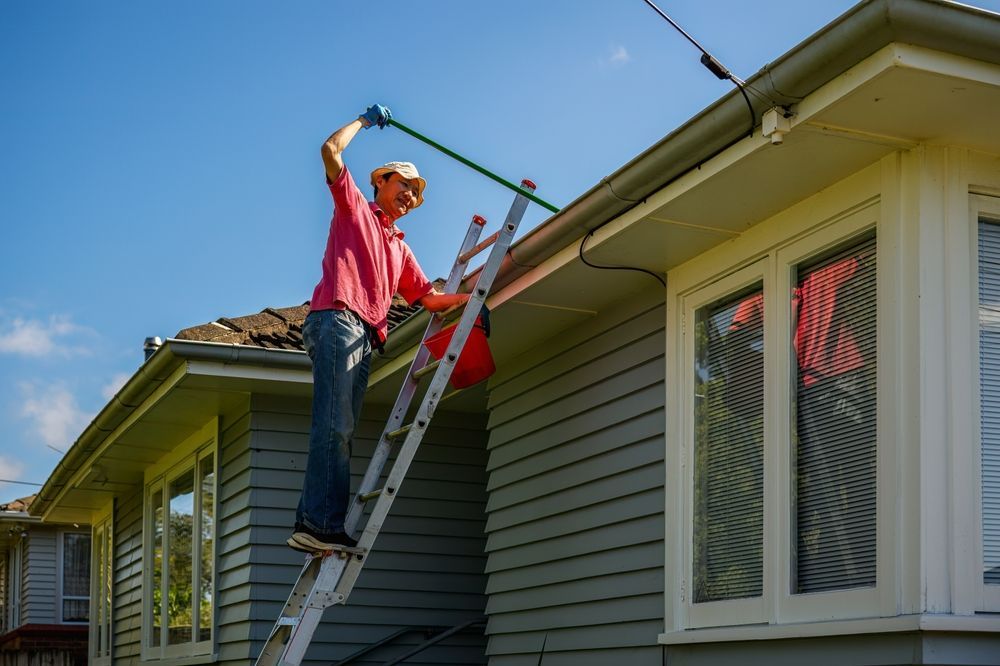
column 713, row 65
column 721, row 72
column 614, row 268
column 753, row 117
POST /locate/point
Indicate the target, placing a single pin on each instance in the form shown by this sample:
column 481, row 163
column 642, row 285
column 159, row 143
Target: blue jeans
column 339, row 344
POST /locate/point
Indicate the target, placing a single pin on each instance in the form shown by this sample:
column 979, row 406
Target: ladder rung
column 396, row 434
column 370, row 496
column 462, row 258
column 288, row 621
column 426, row 370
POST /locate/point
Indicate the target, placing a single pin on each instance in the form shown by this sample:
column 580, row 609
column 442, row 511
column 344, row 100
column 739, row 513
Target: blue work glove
column 375, row 115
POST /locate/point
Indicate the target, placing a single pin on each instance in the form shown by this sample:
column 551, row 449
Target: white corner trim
column 878, row 625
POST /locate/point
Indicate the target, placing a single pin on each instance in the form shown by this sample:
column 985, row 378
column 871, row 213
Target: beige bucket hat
column 406, row 170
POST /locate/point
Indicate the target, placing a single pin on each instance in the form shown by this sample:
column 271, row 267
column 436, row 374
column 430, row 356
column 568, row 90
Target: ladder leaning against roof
column 327, row 579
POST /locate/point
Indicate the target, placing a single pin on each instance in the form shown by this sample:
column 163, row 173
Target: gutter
column 842, row 44
column 146, row 380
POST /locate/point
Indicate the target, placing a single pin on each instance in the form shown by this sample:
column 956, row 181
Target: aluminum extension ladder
column 327, row 579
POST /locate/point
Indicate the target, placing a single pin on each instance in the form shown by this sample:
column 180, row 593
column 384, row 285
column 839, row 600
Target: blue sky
column 160, row 160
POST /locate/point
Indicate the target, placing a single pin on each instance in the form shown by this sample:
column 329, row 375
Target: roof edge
column 150, row 375
column 828, row 53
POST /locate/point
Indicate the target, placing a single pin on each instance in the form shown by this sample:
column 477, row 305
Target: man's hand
column 375, row 115
column 444, row 303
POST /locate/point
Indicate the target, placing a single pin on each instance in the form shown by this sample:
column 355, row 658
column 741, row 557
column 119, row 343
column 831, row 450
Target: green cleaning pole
column 469, row 163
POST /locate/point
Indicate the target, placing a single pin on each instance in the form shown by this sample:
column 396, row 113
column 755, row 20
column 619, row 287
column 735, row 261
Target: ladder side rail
column 274, row 647
column 426, row 411
column 382, row 450
column 325, row 572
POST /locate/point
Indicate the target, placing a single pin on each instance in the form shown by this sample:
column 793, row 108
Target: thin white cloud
column 114, row 385
column 619, row 56
column 31, row 337
column 55, row 417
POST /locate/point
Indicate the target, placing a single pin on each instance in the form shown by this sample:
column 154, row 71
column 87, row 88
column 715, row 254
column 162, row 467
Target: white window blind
column 834, row 421
column 728, row 449
column 989, row 389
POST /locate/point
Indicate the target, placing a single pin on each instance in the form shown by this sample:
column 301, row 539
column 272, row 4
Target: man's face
column 397, row 196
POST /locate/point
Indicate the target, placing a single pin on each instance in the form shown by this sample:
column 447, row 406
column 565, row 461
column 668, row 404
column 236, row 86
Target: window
column 75, row 576
column 776, row 424
column 102, row 589
column 729, row 449
column 180, row 514
column 989, row 397
column 14, row 582
column 833, row 334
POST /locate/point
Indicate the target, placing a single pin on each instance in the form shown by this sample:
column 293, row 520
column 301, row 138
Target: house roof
column 277, row 328
column 19, row 505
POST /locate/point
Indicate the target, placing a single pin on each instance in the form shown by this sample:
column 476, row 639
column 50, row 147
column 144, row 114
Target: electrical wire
column 720, row 71
column 22, row 483
column 713, row 65
column 615, row 268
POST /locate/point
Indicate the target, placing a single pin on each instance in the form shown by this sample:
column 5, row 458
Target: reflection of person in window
column 835, row 423
column 834, row 416
column 824, row 341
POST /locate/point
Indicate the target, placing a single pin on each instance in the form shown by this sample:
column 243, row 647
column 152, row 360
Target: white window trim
column 60, row 575
column 103, row 521
column 183, row 458
column 987, row 597
column 832, row 224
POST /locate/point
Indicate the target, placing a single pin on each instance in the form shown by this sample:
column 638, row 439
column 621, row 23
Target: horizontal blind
column 729, row 433
column 834, row 433
column 989, row 389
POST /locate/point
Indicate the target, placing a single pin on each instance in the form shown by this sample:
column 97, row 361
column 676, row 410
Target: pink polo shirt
column 366, row 260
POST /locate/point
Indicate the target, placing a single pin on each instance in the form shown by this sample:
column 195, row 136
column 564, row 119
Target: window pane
column 180, row 558
column 156, row 610
column 989, row 389
column 76, row 565
column 834, row 325
column 728, row 446
column 76, row 610
column 207, row 474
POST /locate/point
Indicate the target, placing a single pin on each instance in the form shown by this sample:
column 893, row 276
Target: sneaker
column 310, row 542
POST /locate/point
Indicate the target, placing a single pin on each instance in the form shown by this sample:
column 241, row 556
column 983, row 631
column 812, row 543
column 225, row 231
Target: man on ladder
column 366, row 262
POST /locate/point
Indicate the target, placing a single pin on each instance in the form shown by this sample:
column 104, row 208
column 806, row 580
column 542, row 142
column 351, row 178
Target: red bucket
column 474, row 364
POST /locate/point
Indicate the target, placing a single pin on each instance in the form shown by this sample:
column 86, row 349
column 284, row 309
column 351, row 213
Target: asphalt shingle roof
column 18, row 505
column 275, row 328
